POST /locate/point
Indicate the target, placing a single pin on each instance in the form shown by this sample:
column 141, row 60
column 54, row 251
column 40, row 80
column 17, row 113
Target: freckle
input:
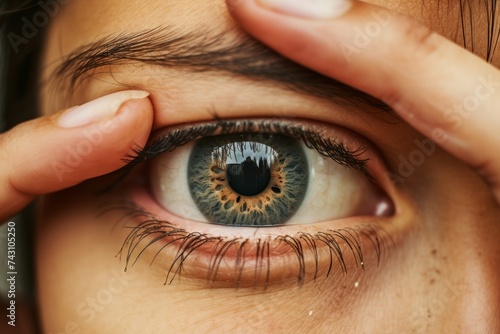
column 433, row 252
column 432, row 281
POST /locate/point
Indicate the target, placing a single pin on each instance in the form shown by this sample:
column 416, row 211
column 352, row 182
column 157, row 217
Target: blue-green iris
column 248, row 179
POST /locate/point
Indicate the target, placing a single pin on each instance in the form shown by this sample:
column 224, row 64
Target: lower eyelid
column 249, row 257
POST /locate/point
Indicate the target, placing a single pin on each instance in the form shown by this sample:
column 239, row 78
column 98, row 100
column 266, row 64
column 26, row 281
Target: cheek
column 79, row 280
column 82, row 286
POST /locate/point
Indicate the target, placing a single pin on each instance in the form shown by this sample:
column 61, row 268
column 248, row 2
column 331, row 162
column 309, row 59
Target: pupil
column 250, row 177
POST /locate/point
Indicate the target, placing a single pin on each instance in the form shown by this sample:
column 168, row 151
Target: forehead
column 80, row 21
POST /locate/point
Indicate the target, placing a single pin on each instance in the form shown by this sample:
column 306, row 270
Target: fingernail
column 310, row 9
column 98, row 109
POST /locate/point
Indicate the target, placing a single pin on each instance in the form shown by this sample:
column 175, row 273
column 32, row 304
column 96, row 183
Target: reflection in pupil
column 250, row 177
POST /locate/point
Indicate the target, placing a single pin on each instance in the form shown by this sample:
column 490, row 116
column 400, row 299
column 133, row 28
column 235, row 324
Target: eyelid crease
column 170, row 138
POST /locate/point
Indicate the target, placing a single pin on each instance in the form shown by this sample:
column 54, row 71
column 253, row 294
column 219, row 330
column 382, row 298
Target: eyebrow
column 200, row 51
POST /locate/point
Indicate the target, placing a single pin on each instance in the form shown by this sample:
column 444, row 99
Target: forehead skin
column 83, row 21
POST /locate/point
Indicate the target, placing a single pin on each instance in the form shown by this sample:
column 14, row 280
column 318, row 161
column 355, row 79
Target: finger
column 55, row 152
column 444, row 91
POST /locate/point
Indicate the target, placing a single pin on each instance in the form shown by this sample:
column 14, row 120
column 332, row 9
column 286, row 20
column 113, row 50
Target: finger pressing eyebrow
column 201, row 51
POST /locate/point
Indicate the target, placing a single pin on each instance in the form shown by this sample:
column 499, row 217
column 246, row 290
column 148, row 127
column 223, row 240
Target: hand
column 54, row 152
column 445, row 92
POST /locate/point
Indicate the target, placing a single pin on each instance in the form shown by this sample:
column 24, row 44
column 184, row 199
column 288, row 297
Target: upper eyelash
column 326, row 147
column 352, row 237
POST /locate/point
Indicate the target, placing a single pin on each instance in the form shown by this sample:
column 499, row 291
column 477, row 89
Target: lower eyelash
column 300, row 244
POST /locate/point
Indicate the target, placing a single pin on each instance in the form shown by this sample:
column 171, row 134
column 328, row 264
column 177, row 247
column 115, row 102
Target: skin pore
column 436, row 270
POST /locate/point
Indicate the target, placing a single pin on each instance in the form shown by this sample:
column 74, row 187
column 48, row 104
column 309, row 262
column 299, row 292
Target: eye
column 263, row 179
column 248, row 202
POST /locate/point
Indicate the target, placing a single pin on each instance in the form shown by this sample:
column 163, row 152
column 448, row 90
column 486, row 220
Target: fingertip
column 246, row 11
column 283, row 33
column 101, row 147
column 139, row 115
column 312, row 9
column 98, row 109
column 46, row 155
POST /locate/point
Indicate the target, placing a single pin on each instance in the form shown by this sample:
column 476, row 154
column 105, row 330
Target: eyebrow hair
column 198, row 51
